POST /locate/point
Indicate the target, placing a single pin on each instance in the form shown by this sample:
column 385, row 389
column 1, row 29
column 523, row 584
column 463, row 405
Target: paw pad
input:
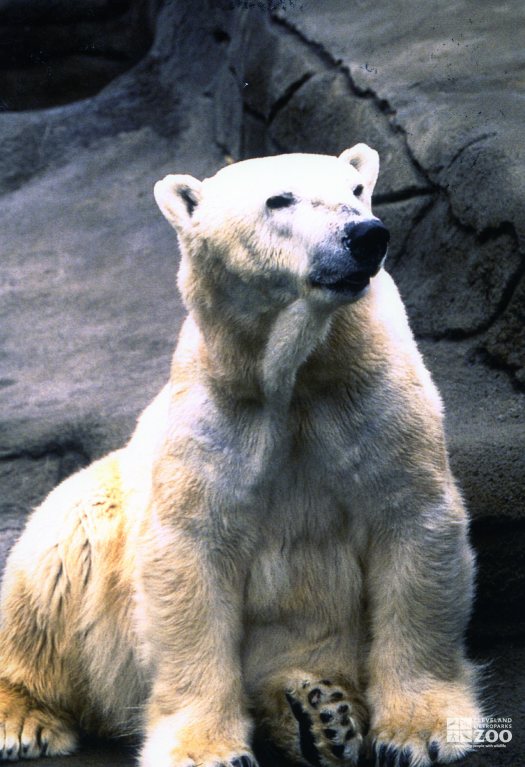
column 329, row 730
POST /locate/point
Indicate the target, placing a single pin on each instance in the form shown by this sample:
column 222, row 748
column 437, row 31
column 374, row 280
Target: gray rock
column 444, row 262
column 274, row 64
column 505, row 340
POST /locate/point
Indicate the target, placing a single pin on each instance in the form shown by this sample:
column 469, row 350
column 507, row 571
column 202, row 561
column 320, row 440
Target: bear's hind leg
column 28, row 729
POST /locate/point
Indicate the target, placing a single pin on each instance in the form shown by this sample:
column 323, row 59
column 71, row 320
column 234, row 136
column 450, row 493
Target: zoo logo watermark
column 486, row 732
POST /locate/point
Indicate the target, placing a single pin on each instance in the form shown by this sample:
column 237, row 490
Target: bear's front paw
column 416, row 751
column 411, row 730
column 29, row 730
column 330, row 722
column 175, row 758
column 181, row 741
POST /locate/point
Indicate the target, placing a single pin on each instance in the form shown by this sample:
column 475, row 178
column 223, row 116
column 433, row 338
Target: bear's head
column 264, row 232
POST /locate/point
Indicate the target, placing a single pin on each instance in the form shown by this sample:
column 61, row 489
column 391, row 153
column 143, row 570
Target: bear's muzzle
column 348, row 268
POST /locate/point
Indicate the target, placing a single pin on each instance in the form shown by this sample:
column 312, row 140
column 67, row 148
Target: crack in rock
column 464, row 147
column 283, row 100
column 400, row 195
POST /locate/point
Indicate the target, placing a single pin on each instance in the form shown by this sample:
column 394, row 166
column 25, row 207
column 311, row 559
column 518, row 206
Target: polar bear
column 281, row 546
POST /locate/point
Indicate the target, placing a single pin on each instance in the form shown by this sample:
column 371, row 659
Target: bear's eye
column 280, row 200
column 358, row 191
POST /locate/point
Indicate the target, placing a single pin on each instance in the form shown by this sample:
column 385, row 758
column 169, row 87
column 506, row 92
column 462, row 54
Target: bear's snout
column 348, row 269
column 367, row 243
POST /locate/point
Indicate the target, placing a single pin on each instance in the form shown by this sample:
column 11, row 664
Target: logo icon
column 487, row 732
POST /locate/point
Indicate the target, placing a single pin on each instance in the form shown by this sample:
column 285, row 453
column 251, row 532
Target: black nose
column 367, row 242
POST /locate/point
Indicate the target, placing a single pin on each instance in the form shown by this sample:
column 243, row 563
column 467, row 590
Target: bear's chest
column 303, row 579
column 311, row 542
column 314, row 461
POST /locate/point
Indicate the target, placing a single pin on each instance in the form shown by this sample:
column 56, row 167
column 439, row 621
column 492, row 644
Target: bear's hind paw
column 330, row 724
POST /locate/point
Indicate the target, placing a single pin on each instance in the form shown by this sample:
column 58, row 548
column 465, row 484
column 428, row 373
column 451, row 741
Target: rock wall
column 89, row 310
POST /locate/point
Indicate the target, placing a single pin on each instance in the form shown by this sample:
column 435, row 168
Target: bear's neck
column 261, row 364
column 295, row 333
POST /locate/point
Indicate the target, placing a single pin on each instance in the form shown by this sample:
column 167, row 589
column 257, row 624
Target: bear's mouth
column 352, row 284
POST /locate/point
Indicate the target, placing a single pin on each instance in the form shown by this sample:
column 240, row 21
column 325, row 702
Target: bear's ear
column 366, row 161
column 177, row 198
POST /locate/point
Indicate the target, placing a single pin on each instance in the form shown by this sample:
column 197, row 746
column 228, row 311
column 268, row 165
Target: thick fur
column 281, row 541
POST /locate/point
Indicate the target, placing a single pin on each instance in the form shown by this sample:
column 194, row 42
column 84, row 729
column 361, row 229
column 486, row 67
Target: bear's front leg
column 420, row 587
column 189, row 616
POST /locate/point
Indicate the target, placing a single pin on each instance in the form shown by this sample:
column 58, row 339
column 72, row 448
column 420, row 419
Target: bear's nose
column 367, row 242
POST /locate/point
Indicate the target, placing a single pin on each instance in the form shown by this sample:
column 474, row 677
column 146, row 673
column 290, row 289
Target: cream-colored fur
column 281, row 542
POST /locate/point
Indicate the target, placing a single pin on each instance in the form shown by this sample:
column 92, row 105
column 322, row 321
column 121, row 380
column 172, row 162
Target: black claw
column 350, row 733
column 306, row 740
column 326, row 682
column 404, row 758
column 242, row 761
column 433, row 751
column 338, row 751
column 314, row 697
column 326, row 717
column 391, row 756
column 330, row 734
column 25, row 748
column 343, row 708
column 9, row 751
column 294, row 705
column 345, row 721
column 380, row 753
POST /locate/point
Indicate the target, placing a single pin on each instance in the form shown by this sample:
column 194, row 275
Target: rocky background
column 100, row 98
